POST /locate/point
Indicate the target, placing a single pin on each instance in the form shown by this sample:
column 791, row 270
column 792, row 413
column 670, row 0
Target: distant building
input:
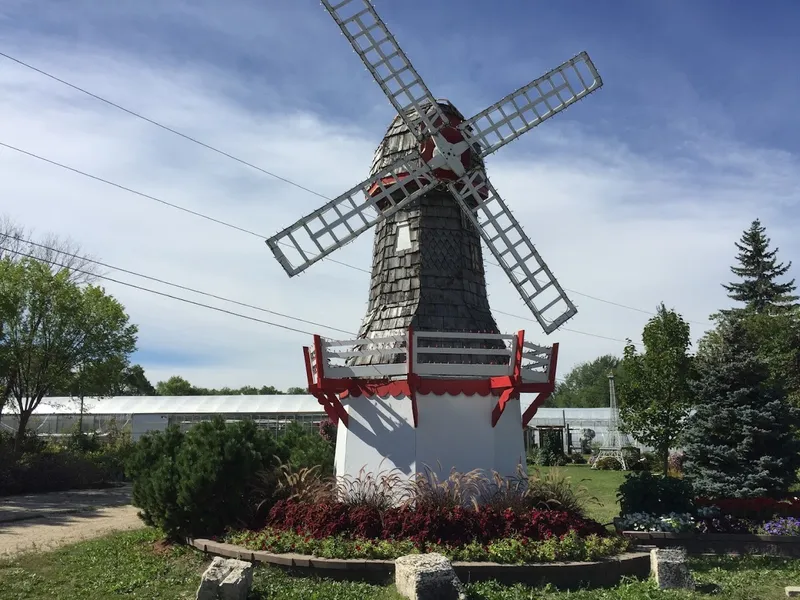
column 57, row 416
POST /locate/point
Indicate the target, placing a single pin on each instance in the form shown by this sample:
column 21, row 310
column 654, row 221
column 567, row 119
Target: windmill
column 431, row 202
column 615, row 440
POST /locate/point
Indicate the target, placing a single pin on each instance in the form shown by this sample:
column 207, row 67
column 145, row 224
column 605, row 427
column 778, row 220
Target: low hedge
column 426, row 524
column 54, row 471
column 512, row 550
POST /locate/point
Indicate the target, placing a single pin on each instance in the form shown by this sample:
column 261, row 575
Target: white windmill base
column 453, row 432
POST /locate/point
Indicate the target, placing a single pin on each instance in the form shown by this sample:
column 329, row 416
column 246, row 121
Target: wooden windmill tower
column 430, row 375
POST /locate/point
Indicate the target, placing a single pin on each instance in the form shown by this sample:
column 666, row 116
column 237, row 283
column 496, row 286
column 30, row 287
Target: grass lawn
column 134, row 565
column 599, row 484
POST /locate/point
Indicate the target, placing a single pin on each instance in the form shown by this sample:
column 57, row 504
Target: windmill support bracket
column 509, row 387
column 328, row 399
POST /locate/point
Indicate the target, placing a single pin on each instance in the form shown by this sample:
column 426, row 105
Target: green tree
column 295, row 391
column 54, row 325
column 586, row 385
column 307, row 449
column 741, row 440
column 96, row 379
column 134, row 383
column 654, row 395
column 759, row 270
column 176, row 386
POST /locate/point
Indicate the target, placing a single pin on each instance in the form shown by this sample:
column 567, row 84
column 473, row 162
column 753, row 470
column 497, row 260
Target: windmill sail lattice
column 430, row 199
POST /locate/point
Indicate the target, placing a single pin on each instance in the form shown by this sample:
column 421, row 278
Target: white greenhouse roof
column 283, row 404
column 164, row 405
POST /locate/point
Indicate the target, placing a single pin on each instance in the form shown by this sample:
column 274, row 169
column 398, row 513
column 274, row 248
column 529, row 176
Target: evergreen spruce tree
column 741, row 440
column 759, row 269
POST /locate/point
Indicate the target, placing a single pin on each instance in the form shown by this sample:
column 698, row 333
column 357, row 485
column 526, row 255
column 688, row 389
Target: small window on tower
column 403, row 237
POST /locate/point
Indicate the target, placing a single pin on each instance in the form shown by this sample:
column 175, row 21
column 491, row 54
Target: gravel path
column 47, row 521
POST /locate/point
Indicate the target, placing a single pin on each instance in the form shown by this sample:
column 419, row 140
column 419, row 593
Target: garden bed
column 562, row 574
column 720, row 543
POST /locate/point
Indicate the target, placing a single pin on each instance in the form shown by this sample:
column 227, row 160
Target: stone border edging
column 602, row 573
column 720, row 543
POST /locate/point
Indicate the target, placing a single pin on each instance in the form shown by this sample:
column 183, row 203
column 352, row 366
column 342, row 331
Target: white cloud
column 631, row 228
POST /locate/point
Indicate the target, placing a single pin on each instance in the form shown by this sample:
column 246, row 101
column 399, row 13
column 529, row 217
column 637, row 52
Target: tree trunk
column 80, row 416
column 23, row 424
column 665, row 459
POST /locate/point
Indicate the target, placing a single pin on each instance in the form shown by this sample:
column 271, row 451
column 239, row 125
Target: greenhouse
column 140, row 414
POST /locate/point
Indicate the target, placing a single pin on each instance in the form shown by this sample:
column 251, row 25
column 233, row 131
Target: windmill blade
column 514, row 251
column 343, row 219
column 387, row 62
column 524, row 109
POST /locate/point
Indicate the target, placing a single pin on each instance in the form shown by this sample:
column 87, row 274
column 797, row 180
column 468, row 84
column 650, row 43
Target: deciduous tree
column 586, row 385
column 55, row 325
column 654, row 395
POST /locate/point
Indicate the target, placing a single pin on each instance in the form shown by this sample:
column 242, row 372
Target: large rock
column 669, row 567
column 226, row 579
column 427, row 577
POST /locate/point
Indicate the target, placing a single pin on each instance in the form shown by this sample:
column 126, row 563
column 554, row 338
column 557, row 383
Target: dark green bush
column 631, row 454
column 579, row 459
column 50, row 471
column 199, row 483
column 608, row 463
column 80, row 442
column 307, row 449
column 654, row 494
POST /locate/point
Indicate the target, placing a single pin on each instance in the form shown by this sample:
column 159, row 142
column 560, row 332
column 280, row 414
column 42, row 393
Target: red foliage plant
column 443, row 525
column 757, row 509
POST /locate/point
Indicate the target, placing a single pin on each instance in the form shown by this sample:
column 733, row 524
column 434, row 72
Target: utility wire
column 159, row 200
column 150, row 197
column 185, row 288
column 253, row 166
column 144, row 289
column 180, row 299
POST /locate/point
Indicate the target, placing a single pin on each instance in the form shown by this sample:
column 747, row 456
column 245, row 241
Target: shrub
column 673, row 522
column 327, row 430
column 658, row 495
column 199, row 482
column 307, row 449
column 579, row 459
column 514, row 550
column 631, row 454
column 421, row 525
column 50, row 471
column 80, row 442
column 782, row 526
column 608, row 463
column 555, row 491
column 754, row 509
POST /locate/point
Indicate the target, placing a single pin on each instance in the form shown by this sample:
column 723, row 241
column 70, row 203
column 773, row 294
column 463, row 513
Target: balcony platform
column 410, row 411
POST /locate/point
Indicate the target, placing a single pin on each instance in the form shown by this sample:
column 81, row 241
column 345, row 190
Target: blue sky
column 634, row 195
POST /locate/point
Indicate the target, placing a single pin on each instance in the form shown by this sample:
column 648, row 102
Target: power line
column 156, row 199
column 260, row 169
column 162, row 126
column 148, row 196
column 164, row 294
column 172, row 297
column 186, row 288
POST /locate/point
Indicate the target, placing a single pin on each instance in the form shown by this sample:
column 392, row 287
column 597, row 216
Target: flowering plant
column 672, row 523
column 424, row 524
column 783, row 526
column 510, row 550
